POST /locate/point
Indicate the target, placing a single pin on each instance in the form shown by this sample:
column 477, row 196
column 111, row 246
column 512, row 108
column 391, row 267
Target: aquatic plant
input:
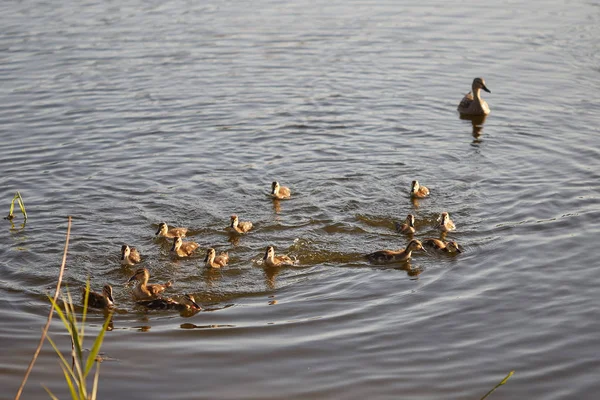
column 502, row 382
column 18, row 199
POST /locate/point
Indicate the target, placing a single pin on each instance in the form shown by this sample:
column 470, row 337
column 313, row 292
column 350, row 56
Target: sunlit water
column 126, row 114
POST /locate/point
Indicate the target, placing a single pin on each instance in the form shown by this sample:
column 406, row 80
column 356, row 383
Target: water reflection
column 270, row 275
column 477, row 122
column 276, row 205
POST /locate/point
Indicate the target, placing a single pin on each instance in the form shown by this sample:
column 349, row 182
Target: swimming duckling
column 183, row 249
column 164, row 231
column 188, row 303
column 280, row 192
column 214, row 261
column 100, row 300
column 418, row 191
column 129, row 255
column 472, row 103
column 408, row 226
column 271, row 260
column 446, row 223
column 240, row 226
column 389, row 256
column 439, row 245
column 143, row 290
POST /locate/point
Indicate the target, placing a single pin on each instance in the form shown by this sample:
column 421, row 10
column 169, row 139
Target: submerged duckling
column 143, row 290
column 100, row 300
column 164, row 231
column 271, row 260
column 188, row 303
column 214, row 261
column 446, row 223
column 240, row 226
column 129, row 255
column 439, row 245
column 418, row 191
column 390, row 256
column 472, row 103
column 280, row 192
column 408, row 226
column 183, row 249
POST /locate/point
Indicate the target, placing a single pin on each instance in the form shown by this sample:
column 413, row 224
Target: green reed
column 18, row 199
column 502, row 382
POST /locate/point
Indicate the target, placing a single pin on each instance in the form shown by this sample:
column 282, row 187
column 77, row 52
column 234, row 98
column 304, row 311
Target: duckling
column 240, row 226
column 129, row 255
column 144, row 290
column 216, row 261
column 271, row 260
column 164, row 231
column 280, row 192
column 188, row 303
column 389, row 256
column 408, row 226
column 472, row 103
column 439, row 245
column 446, row 223
column 100, row 300
column 418, row 191
column 183, row 249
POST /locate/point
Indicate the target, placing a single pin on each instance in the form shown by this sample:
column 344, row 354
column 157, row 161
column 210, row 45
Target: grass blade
column 97, row 343
column 500, row 384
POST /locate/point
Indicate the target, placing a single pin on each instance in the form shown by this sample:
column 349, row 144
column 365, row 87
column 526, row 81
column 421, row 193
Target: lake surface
column 126, row 114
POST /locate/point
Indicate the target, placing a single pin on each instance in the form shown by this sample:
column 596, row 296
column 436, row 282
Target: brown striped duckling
column 440, row 245
column 408, row 226
column 280, row 192
column 100, row 300
column 446, row 224
column 214, row 261
column 472, row 103
column 271, row 260
column 164, row 231
column 418, row 191
column 390, row 256
column 187, row 303
column 143, row 290
column 183, row 249
column 129, row 255
column 239, row 226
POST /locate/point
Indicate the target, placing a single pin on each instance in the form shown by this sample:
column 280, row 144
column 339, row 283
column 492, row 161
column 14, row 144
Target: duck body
column 440, row 245
column 446, row 224
column 280, row 192
column 188, row 303
column 271, row 260
column 144, row 290
column 391, row 256
column 418, row 191
column 408, row 226
column 129, row 255
column 100, row 300
column 472, row 103
column 164, row 231
column 239, row 226
column 183, row 249
column 214, row 261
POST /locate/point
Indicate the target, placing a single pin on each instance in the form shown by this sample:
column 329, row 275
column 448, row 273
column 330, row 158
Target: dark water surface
column 126, row 114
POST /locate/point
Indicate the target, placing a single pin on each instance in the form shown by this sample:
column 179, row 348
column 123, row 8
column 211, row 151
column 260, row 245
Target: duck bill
column 458, row 250
column 486, row 89
column 131, row 279
column 206, row 258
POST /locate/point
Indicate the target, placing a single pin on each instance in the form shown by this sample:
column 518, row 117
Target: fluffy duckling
column 390, row 256
column 187, row 303
column 418, row 191
column 183, row 249
column 129, row 255
column 408, row 226
column 100, row 300
column 446, row 223
column 472, row 103
column 240, row 226
column 164, row 231
column 280, row 192
column 214, row 261
column 143, row 290
column 439, row 245
column 271, row 260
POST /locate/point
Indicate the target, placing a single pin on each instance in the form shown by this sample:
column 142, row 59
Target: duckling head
column 415, row 245
column 125, row 251
column 234, row 220
column 177, row 242
column 415, row 186
column 107, row 291
column 269, row 253
column 210, row 253
column 162, row 228
column 479, row 83
column 190, row 299
column 444, row 217
column 274, row 187
column 410, row 220
column 453, row 247
column 140, row 274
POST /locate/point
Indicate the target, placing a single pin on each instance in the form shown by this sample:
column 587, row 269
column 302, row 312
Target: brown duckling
column 187, row 303
column 214, row 261
column 390, row 256
column 129, row 255
column 183, row 249
column 472, row 103
column 100, row 300
column 271, row 260
column 408, row 226
column 144, row 290
column 440, row 245
column 280, row 192
column 418, row 191
column 446, row 224
column 240, row 226
column 164, row 231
